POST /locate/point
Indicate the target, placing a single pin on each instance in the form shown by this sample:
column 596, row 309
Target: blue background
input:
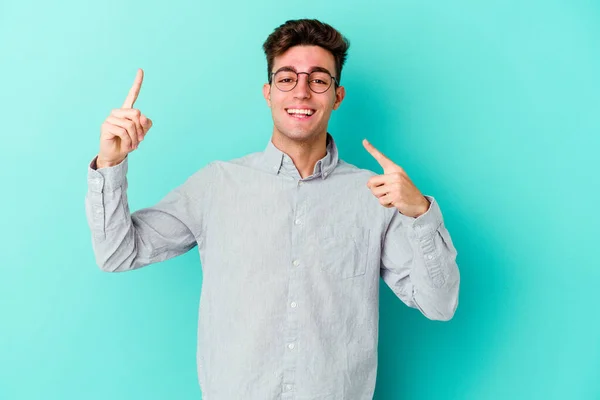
column 491, row 107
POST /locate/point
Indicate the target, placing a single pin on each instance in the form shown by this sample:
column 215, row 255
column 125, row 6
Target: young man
column 292, row 240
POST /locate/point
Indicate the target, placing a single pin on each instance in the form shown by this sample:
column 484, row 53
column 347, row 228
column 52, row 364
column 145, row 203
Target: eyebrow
column 311, row 69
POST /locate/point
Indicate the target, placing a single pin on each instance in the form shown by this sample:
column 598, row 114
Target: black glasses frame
column 333, row 80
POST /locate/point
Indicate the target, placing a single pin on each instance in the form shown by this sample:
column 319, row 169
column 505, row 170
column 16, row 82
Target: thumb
column 146, row 123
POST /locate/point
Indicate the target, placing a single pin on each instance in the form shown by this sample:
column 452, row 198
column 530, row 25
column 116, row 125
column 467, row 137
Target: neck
column 305, row 153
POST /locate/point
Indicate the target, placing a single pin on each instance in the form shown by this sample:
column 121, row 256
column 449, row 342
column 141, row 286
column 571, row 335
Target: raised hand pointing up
column 394, row 188
column 123, row 129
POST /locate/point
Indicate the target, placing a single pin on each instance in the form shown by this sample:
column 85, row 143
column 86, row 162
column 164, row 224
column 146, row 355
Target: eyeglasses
column 318, row 81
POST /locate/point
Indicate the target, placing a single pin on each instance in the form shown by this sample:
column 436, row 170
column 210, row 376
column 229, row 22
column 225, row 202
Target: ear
column 340, row 93
column 267, row 93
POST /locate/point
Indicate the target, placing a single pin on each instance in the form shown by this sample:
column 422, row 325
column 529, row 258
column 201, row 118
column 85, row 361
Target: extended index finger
column 381, row 159
column 135, row 90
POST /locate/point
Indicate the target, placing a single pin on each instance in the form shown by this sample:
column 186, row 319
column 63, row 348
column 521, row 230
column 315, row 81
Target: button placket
column 290, row 339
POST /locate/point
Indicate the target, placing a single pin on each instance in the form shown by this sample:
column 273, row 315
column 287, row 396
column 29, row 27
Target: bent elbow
column 118, row 263
column 438, row 306
column 446, row 313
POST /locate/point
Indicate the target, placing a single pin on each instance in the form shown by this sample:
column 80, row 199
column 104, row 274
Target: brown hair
column 308, row 32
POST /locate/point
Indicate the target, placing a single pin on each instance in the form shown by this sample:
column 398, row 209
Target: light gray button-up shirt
column 291, row 267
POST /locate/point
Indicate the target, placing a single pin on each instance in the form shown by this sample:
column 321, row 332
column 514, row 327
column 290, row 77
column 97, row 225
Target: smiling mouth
column 300, row 114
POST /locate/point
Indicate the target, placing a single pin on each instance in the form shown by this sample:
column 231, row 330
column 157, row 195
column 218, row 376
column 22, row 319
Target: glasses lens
column 285, row 80
column 319, row 81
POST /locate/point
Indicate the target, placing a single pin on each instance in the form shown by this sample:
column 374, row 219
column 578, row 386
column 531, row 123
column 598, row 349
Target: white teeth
column 300, row 111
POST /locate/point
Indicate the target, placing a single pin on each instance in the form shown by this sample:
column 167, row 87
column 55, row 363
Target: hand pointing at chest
column 394, row 188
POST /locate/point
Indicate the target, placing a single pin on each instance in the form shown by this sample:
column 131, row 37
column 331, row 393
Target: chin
column 300, row 135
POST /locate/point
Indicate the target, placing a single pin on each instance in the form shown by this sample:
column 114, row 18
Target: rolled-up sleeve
column 125, row 241
column 418, row 262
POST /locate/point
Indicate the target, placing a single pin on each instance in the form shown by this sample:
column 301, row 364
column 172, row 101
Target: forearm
column 113, row 235
column 419, row 263
column 123, row 241
column 434, row 273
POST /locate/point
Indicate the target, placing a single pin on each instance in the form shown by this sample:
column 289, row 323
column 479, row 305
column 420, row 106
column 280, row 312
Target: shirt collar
column 273, row 159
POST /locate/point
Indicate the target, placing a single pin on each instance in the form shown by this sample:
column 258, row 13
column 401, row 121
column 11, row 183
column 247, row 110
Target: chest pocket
column 343, row 252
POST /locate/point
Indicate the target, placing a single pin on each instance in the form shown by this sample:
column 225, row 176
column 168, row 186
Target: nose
column 302, row 90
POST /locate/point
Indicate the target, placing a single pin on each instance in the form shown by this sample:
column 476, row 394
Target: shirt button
column 291, row 346
column 297, row 222
column 296, row 263
column 429, row 256
column 293, row 304
column 300, row 183
column 288, row 387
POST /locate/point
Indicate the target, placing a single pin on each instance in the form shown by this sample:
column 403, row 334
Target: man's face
column 302, row 127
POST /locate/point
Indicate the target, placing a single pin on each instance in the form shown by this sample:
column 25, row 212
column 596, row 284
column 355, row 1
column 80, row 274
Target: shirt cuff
column 425, row 227
column 106, row 179
column 428, row 222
